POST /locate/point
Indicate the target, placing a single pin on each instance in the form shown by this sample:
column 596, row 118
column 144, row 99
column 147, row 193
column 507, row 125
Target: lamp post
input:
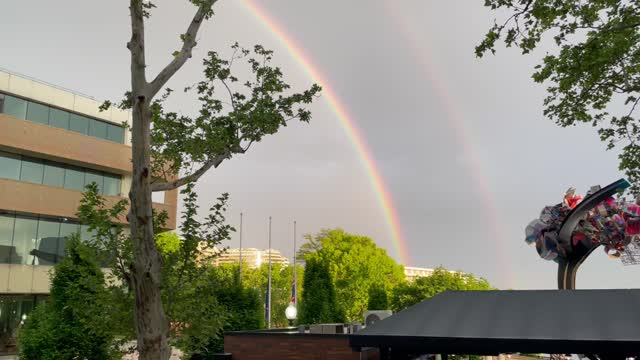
column 291, row 312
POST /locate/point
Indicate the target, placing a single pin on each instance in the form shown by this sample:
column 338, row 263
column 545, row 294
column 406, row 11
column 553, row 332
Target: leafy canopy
column 440, row 280
column 593, row 75
column 232, row 115
column 355, row 264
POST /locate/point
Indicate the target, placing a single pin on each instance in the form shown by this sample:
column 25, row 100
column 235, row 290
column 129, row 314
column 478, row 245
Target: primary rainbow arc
column 375, row 177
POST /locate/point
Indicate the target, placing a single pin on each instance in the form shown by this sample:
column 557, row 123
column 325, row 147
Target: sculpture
column 567, row 233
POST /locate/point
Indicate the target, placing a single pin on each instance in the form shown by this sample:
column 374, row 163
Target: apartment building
column 412, row 273
column 251, row 257
column 53, row 142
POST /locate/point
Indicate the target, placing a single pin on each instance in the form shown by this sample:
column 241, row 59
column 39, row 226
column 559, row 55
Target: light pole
column 291, row 312
column 295, row 270
column 269, row 281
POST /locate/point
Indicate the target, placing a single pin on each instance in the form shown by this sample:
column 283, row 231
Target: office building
column 53, row 142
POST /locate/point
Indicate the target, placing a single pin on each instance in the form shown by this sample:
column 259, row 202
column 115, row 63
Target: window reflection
column 16, row 167
column 33, row 240
column 47, row 115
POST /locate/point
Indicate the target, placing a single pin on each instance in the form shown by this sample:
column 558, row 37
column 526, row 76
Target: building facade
column 412, row 273
column 53, row 142
column 251, row 257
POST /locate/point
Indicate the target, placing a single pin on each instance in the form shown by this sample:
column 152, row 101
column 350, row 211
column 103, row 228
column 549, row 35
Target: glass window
column 10, row 166
column 48, row 235
column 111, row 185
column 93, row 176
column 115, row 133
column 24, row 239
column 98, row 129
column 53, row 174
column 66, row 231
column 59, row 118
column 6, row 238
column 1, row 102
column 32, row 170
column 73, row 178
column 15, row 107
column 38, row 113
column 79, row 124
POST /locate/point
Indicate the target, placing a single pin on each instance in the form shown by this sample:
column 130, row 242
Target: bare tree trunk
column 150, row 320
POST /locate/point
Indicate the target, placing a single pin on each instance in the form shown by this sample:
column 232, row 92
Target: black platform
column 603, row 322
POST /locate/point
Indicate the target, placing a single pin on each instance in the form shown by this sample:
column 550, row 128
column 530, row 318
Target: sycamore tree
column 183, row 148
column 356, row 266
column 188, row 294
column 592, row 74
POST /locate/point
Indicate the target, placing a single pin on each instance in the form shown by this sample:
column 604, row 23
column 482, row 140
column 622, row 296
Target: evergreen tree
column 319, row 304
column 75, row 322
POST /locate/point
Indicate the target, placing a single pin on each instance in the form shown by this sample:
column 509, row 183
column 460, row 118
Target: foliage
column 593, row 74
column 224, row 127
column 75, row 322
column 281, row 287
column 242, row 305
column 440, row 280
column 378, row 298
column 356, row 264
column 168, row 243
column 189, row 297
column 319, row 303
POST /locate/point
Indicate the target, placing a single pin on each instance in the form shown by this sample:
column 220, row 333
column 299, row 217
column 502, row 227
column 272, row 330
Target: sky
column 461, row 143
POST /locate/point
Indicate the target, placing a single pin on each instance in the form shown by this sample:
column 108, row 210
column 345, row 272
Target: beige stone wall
column 29, row 279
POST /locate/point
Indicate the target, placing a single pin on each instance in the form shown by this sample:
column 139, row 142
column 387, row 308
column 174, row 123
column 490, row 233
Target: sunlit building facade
column 53, row 142
column 251, row 257
column 412, row 273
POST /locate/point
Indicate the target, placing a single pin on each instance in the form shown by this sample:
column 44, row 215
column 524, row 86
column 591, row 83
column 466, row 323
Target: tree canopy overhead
column 593, row 75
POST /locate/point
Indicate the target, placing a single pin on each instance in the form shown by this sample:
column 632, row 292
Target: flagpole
column 240, row 259
column 269, row 283
column 295, row 272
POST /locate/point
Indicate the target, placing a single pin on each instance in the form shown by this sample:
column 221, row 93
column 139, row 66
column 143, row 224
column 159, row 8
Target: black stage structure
column 603, row 322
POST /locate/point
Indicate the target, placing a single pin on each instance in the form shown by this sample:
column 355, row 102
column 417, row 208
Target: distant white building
column 412, row 273
column 251, row 257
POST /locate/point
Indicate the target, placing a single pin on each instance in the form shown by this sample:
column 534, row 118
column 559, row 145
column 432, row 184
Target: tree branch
column 189, row 42
column 170, row 185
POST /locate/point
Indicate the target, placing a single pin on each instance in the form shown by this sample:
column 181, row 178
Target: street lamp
column 291, row 313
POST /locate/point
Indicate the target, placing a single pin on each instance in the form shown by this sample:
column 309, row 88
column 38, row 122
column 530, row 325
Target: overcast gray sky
column 461, row 142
